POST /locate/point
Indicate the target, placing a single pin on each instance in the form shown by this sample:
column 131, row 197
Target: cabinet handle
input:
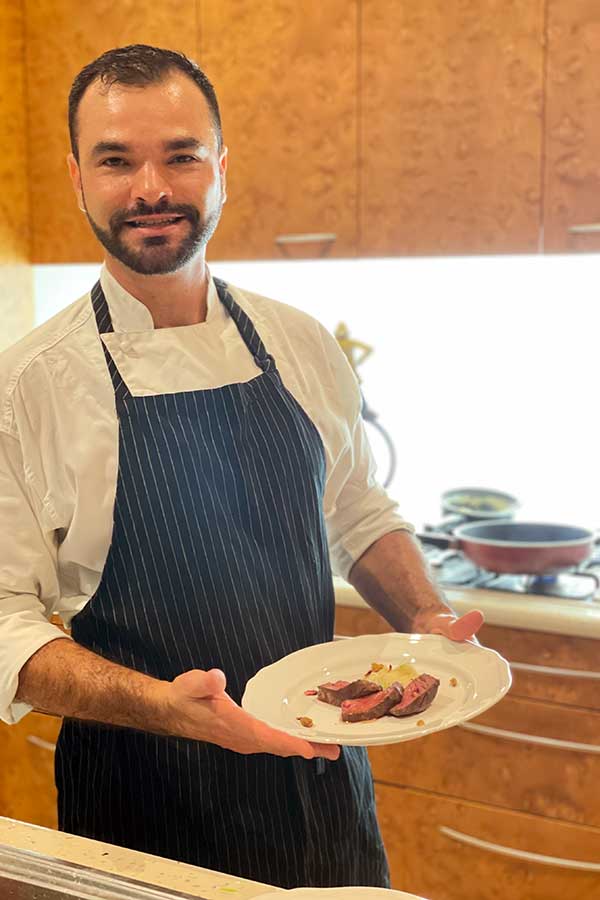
column 40, row 742
column 324, row 238
column 551, row 670
column 530, row 738
column 327, row 237
column 592, row 228
column 556, row 861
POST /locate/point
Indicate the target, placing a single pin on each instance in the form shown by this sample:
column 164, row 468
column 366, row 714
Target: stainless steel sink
column 26, row 875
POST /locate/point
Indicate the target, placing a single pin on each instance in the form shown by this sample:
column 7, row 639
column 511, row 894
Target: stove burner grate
column 452, row 568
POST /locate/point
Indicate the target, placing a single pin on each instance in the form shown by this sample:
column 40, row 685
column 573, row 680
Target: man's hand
column 68, row 680
column 462, row 629
column 394, row 578
column 197, row 707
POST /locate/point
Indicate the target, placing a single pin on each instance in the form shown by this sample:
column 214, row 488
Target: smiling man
column 177, row 495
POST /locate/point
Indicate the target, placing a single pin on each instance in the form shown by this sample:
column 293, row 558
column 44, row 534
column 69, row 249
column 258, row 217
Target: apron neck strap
column 246, row 328
column 244, row 324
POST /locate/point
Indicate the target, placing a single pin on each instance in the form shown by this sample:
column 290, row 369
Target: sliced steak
column 418, row 695
column 372, row 707
column 335, row 692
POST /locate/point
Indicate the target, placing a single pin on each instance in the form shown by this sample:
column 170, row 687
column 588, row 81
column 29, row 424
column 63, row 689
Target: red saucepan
column 520, row 548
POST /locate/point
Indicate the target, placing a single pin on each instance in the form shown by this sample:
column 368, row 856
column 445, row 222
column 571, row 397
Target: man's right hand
column 197, row 707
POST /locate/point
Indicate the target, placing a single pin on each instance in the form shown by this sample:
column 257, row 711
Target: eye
column 113, row 162
column 184, row 158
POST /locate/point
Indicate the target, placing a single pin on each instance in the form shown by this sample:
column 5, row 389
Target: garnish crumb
column 306, row 721
column 421, row 722
column 453, row 682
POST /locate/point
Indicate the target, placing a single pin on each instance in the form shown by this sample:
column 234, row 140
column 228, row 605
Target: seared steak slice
column 418, row 695
column 372, row 707
column 335, row 692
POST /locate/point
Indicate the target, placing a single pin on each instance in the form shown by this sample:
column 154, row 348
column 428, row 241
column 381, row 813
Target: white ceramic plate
column 276, row 693
column 348, row 893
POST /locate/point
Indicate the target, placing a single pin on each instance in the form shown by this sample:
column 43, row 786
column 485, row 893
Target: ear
column 223, row 170
column 75, row 175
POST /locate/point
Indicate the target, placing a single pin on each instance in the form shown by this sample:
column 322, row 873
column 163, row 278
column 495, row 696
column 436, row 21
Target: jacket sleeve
column 358, row 510
column 29, row 587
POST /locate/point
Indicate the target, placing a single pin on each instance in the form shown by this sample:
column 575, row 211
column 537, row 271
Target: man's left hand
column 462, row 629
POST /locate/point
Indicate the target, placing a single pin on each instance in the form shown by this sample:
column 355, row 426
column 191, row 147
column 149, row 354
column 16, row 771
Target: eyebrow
column 184, row 143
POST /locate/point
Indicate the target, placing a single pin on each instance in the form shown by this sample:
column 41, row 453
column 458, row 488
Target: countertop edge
column 153, row 870
column 572, row 618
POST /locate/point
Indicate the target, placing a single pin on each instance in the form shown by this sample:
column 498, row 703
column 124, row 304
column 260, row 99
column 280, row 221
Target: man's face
column 150, row 177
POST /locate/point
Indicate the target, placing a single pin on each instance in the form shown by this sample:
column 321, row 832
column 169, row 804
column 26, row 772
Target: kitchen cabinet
column 451, row 127
column 27, row 790
column 16, row 276
column 355, row 127
column 572, row 129
column 286, row 78
column 426, row 837
column 523, row 776
column 61, row 38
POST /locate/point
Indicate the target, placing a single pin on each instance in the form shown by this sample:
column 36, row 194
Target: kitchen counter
column 152, row 870
column 576, row 618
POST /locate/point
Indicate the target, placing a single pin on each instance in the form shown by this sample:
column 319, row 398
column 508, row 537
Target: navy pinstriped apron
column 218, row 558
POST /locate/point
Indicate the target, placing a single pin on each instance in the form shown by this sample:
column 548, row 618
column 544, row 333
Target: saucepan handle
column 443, row 541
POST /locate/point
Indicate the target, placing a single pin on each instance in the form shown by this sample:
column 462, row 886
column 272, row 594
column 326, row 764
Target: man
column 179, row 460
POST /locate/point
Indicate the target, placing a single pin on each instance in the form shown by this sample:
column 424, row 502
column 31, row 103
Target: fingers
column 328, row 751
column 461, row 629
column 275, row 741
column 467, row 626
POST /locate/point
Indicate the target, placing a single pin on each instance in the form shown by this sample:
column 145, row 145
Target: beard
column 157, row 254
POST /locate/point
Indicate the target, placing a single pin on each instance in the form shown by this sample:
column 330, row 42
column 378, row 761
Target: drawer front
column 27, row 790
column 535, row 657
column 520, row 755
column 444, row 849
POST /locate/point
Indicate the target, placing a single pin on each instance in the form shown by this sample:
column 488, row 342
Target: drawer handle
column 326, row 241
column 530, row 738
column 556, row 861
column 550, row 670
column 593, row 228
column 305, row 238
column 40, row 742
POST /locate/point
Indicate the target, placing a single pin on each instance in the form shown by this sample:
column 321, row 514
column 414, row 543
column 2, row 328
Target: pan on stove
column 474, row 504
column 519, row 548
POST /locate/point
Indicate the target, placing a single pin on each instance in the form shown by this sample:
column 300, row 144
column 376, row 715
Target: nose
column 149, row 185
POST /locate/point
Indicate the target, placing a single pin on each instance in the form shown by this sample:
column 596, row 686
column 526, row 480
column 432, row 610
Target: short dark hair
column 138, row 64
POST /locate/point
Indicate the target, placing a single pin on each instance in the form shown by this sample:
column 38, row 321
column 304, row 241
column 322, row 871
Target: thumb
column 197, row 684
column 462, row 629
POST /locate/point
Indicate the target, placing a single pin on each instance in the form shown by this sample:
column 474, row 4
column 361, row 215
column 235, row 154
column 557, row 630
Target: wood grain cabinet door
column 27, row 790
column 451, row 126
column 533, row 757
column 553, row 667
column 286, row 78
column 572, row 133
column 443, row 849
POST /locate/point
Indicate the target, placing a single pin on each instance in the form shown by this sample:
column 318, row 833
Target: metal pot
column 471, row 504
column 519, row 548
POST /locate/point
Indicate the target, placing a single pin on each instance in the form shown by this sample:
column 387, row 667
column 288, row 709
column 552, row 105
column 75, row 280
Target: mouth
column 155, row 224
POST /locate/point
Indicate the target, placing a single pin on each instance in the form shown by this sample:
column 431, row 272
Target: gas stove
column 452, row 569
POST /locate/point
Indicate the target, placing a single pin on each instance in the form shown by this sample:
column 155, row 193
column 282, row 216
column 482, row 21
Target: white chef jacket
column 59, row 445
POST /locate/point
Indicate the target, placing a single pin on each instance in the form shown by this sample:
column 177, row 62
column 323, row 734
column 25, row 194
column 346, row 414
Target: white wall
column 485, row 369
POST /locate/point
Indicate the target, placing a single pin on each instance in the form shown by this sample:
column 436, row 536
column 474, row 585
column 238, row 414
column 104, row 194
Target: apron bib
column 218, row 558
